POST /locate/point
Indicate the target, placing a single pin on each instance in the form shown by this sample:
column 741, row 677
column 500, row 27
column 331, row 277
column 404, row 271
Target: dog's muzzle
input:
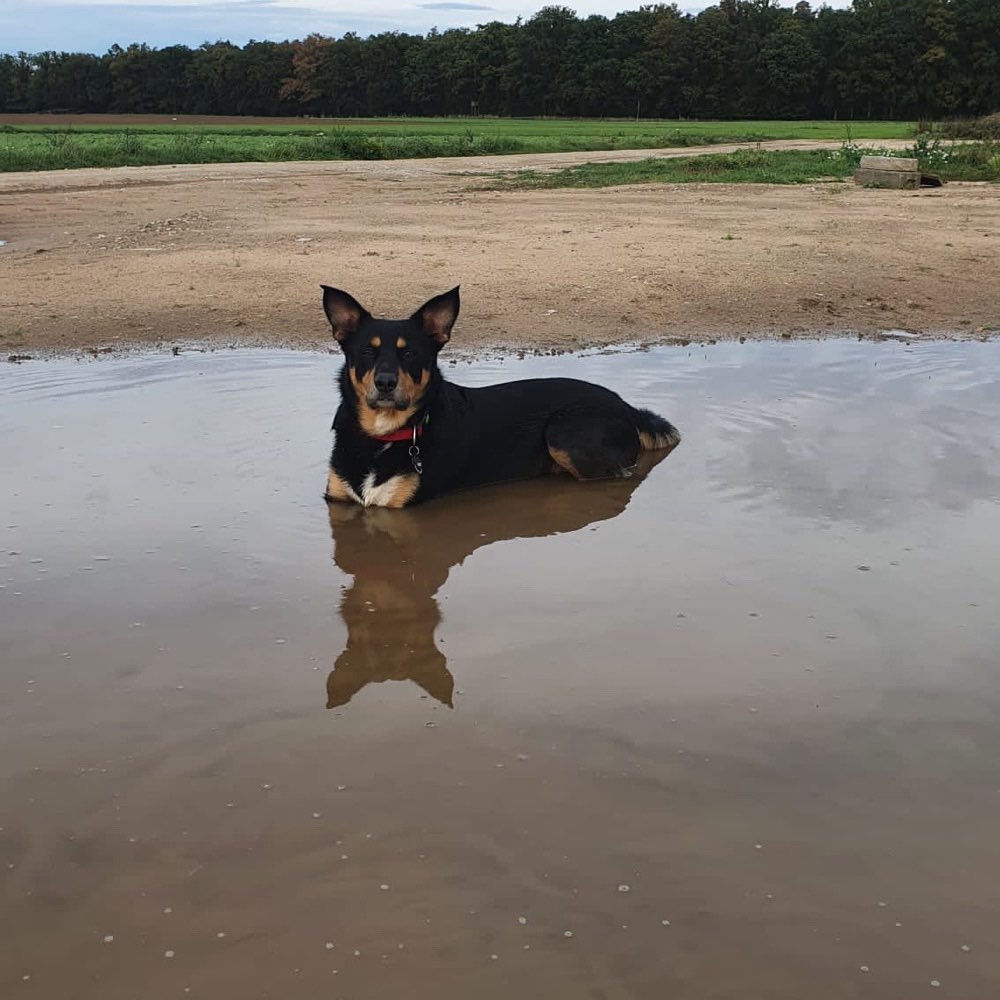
column 381, row 400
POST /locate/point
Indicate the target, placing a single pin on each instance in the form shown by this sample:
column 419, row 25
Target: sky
column 88, row 26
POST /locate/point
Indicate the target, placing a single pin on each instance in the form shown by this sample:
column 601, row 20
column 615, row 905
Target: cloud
column 454, row 6
column 87, row 26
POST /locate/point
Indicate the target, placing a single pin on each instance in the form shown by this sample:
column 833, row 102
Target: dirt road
column 234, row 254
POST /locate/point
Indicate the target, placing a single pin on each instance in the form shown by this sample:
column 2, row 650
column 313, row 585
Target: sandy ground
column 234, row 254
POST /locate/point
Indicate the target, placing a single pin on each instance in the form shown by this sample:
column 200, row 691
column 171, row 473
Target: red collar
column 406, row 434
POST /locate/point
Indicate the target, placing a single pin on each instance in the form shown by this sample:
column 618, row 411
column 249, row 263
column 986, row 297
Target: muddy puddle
column 729, row 732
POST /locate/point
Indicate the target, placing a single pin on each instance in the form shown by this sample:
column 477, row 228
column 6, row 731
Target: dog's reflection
column 400, row 559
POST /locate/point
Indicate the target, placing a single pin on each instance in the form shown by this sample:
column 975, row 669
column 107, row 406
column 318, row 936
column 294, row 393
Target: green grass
column 971, row 162
column 94, row 144
column 744, row 167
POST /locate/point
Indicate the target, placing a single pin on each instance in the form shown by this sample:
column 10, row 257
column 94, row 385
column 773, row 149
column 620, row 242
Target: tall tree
column 666, row 63
column 262, row 66
column 542, row 43
column 15, row 81
column 787, row 62
column 494, row 47
column 977, row 55
column 713, row 50
column 133, row 80
column 384, row 57
column 310, row 85
column 836, row 63
column 343, row 77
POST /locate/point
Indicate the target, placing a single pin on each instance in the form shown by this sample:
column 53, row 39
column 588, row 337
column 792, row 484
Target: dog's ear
column 343, row 311
column 437, row 316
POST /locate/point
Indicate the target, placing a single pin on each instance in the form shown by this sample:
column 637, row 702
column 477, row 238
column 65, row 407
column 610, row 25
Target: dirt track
column 234, row 253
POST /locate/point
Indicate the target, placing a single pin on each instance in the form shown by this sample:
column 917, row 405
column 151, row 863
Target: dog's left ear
column 437, row 316
column 343, row 311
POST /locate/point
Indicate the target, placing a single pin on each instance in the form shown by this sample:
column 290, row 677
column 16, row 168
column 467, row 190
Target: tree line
column 879, row 59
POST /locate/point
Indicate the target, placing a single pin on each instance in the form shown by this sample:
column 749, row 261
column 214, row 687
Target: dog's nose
column 386, row 381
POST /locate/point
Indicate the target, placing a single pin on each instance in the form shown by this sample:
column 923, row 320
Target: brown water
column 730, row 732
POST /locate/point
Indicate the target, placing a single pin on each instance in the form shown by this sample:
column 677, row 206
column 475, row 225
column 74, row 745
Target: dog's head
column 390, row 362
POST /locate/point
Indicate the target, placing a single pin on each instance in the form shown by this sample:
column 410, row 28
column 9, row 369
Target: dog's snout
column 386, row 381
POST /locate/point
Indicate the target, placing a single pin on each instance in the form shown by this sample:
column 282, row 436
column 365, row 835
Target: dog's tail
column 655, row 433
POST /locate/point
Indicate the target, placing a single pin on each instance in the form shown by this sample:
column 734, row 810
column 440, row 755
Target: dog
column 404, row 434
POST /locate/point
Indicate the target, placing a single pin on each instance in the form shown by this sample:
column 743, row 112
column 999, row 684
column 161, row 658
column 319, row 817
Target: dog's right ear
column 437, row 316
column 343, row 311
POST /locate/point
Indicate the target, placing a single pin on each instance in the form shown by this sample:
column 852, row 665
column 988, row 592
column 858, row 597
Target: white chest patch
column 393, row 492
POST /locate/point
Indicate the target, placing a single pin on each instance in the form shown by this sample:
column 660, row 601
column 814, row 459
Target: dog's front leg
column 340, row 489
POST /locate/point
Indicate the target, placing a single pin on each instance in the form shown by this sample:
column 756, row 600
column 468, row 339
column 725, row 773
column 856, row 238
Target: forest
column 739, row 59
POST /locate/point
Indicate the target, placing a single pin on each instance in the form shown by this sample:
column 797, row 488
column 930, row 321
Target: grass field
column 966, row 162
column 49, row 143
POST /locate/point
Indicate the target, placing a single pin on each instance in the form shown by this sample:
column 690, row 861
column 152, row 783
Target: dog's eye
column 408, row 355
column 368, row 352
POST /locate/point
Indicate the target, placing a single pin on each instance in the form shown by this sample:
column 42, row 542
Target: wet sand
column 730, row 731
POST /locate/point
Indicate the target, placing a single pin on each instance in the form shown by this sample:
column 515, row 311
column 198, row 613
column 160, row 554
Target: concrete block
column 887, row 179
column 905, row 163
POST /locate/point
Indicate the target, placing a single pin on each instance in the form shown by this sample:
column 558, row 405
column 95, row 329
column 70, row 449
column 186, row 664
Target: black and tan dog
column 404, row 434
